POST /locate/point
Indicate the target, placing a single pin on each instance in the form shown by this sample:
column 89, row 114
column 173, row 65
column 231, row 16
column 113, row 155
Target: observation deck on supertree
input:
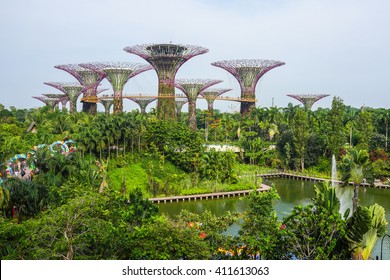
column 192, row 88
column 117, row 73
column 210, row 95
column 248, row 72
column 166, row 60
column 50, row 102
column 308, row 99
column 62, row 98
column 107, row 103
column 88, row 78
column 143, row 103
column 72, row 90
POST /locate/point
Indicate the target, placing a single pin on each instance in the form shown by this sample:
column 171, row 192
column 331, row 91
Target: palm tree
column 384, row 115
column 355, row 169
column 357, row 177
column 363, row 229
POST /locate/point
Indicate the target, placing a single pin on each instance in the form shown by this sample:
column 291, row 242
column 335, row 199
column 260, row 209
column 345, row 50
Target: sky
column 336, row 47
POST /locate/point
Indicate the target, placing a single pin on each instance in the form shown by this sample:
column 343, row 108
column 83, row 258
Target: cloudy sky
column 336, row 47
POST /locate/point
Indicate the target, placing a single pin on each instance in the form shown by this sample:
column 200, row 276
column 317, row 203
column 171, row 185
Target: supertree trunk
column 166, row 107
column 192, row 114
column 72, row 105
column 210, row 107
column 118, row 102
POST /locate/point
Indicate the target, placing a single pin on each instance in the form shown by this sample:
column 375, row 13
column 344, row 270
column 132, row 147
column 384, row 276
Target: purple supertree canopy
column 193, row 87
column 166, row 59
column 66, row 85
column 72, row 90
column 51, row 102
column 213, row 93
column 248, row 71
column 308, row 99
column 118, row 73
column 86, row 77
column 143, row 102
column 55, row 95
column 166, row 50
column 103, row 67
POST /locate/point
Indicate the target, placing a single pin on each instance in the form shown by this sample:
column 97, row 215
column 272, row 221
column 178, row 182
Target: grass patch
column 131, row 176
column 161, row 178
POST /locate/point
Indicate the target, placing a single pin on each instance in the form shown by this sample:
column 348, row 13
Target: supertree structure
column 87, row 78
column 50, row 102
column 117, row 73
column 107, row 103
column 143, row 103
column 166, row 60
column 179, row 105
column 72, row 90
column 192, row 88
column 210, row 95
column 247, row 72
column 62, row 98
column 308, row 99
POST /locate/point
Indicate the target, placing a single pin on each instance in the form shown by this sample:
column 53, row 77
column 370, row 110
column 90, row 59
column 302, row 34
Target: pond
column 292, row 193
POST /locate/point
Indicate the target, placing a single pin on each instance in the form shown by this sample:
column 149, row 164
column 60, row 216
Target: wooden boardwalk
column 315, row 179
column 206, row 196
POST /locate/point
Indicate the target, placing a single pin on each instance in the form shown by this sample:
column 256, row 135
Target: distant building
column 223, row 148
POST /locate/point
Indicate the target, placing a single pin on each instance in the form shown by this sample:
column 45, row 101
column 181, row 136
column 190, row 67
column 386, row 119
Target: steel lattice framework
column 211, row 94
column 143, row 103
column 62, row 98
column 166, row 60
column 308, row 99
column 50, row 102
column 248, row 72
column 192, row 88
column 72, row 90
column 87, row 78
column 117, row 73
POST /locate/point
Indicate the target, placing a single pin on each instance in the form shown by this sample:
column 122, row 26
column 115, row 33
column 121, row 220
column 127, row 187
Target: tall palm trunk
column 117, row 147
column 124, row 145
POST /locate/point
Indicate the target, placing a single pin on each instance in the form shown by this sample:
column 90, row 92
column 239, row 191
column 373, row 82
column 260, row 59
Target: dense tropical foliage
column 92, row 204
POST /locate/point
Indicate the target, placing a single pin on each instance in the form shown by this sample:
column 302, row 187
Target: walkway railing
column 300, row 176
